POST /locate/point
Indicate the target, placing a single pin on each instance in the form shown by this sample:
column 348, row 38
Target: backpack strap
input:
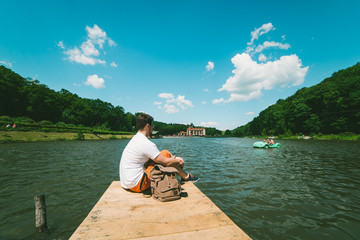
column 146, row 192
column 142, row 181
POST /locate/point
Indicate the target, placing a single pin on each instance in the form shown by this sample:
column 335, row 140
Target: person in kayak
column 269, row 141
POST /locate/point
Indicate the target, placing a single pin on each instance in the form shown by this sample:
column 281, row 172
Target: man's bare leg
column 182, row 173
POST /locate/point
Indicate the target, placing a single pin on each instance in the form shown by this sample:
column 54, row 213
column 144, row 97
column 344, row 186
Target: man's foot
column 191, row 178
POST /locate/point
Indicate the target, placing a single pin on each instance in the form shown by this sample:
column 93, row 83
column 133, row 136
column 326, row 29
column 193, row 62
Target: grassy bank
column 342, row 136
column 38, row 136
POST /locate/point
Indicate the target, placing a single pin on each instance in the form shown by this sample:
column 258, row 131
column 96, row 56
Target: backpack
column 164, row 186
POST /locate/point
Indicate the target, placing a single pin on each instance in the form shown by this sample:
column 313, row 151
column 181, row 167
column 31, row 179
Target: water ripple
column 305, row 190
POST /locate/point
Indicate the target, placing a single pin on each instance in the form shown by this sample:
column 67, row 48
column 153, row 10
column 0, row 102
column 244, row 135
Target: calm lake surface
column 305, row 190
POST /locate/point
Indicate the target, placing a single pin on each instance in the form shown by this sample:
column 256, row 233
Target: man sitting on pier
column 140, row 155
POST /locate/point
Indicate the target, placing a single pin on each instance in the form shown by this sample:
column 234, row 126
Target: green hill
column 34, row 107
column 24, row 97
column 330, row 107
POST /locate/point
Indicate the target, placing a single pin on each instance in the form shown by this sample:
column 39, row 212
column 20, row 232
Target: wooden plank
column 120, row 214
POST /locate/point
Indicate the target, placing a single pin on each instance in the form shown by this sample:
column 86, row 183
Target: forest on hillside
column 21, row 97
column 330, row 107
column 24, row 100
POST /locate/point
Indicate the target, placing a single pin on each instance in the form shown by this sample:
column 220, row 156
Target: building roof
column 192, row 128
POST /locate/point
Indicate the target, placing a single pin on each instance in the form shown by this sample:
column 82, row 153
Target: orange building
column 182, row 133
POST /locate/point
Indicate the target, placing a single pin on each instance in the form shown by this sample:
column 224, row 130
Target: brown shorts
column 145, row 180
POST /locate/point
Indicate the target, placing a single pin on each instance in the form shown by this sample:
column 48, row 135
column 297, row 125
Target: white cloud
column 113, row 64
column 265, row 28
column 166, row 95
column 9, row 64
column 210, row 66
column 181, row 102
column 95, row 81
column 169, row 108
column 252, row 49
column 203, row 102
column 96, row 35
column 61, row 45
column 111, row 43
column 250, row 77
column 249, row 113
column 218, row 101
column 171, row 105
column 88, row 49
column 157, row 103
column 88, row 52
column 75, row 55
column 208, row 124
column 268, row 44
column 206, row 90
column 249, row 49
column 262, row 58
column 95, row 32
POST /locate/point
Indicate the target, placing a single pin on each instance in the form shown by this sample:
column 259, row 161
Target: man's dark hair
column 142, row 120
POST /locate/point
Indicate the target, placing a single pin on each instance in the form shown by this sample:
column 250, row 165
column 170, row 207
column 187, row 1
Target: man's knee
column 166, row 153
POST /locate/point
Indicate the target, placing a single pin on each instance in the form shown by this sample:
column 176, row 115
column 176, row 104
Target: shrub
column 24, row 120
column 45, row 122
column 346, row 134
column 6, row 119
column 60, row 124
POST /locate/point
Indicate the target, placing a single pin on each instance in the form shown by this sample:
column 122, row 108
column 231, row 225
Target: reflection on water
column 305, row 190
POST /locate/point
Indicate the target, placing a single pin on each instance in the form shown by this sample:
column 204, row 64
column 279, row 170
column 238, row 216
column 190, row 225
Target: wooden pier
column 120, row 214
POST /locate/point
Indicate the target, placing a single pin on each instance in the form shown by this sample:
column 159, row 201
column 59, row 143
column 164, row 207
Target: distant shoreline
column 35, row 136
column 342, row 137
column 42, row 136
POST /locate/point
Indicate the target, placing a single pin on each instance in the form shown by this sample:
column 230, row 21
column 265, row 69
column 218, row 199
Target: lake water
column 305, row 190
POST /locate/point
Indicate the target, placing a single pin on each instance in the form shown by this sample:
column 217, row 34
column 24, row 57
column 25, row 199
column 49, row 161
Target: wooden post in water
column 40, row 213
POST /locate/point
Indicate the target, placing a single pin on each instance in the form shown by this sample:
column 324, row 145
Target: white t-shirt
column 136, row 153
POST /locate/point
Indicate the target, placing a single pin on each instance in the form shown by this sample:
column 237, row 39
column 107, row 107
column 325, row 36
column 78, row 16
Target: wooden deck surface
column 120, row 214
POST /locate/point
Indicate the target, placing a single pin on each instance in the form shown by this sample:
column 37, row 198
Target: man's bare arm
column 167, row 162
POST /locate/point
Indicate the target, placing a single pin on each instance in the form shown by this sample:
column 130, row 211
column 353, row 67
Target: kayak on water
column 266, row 145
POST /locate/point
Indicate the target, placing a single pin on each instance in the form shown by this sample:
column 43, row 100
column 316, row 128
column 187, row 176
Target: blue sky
column 210, row 63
